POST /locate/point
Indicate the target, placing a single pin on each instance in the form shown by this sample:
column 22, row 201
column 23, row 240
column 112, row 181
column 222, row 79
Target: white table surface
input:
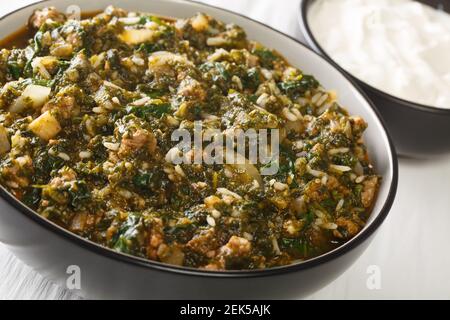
column 410, row 250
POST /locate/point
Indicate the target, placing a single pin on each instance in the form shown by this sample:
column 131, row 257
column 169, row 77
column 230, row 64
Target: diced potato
column 37, row 94
column 136, row 36
column 33, row 95
column 200, row 23
column 4, row 142
column 46, row 126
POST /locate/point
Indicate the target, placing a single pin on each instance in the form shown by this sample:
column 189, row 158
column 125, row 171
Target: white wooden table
column 411, row 250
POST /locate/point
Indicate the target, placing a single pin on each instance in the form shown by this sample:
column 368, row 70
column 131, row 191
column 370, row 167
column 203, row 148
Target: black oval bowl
column 105, row 273
column 417, row 130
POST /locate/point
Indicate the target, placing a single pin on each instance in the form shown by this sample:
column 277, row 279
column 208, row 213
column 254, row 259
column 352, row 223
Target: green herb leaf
column 296, row 88
column 149, row 110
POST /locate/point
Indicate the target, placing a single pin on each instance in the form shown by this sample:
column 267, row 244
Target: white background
column 411, row 249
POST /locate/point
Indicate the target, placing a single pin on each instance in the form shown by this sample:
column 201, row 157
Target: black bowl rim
column 150, row 264
column 307, row 33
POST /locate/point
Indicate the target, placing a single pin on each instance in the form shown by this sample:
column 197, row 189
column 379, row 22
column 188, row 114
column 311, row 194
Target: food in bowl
column 87, row 112
column 400, row 47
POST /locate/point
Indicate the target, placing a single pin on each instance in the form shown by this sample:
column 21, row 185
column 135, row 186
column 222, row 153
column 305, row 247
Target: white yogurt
column 401, row 47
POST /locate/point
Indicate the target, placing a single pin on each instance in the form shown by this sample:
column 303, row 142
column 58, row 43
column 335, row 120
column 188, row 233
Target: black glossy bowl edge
column 357, row 240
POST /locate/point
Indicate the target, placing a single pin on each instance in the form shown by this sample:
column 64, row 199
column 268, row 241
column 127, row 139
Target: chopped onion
column 243, row 164
column 136, row 36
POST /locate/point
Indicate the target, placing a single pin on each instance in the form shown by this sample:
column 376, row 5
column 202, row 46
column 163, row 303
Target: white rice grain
column 115, row 100
column 228, row 173
column 315, row 173
column 262, row 100
column 247, row 236
column 64, row 156
column 266, row 74
column 276, row 247
column 141, row 102
column 322, row 100
column 218, row 54
column 238, row 82
column 280, row 186
column 138, row 61
column 297, row 113
column 111, row 146
column 360, row 179
column 225, row 191
column 316, row 98
column 216, row 41
column 320, row 214
column 340, row 168
column 172, row 154
column 211, row 221
column 216, row 213
column 340, row 204
column 288, row 115
column 299, row 144
column 329, row 226
column 98, row 110
column 125, row 193
column 359, row 170
column 338, row 150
